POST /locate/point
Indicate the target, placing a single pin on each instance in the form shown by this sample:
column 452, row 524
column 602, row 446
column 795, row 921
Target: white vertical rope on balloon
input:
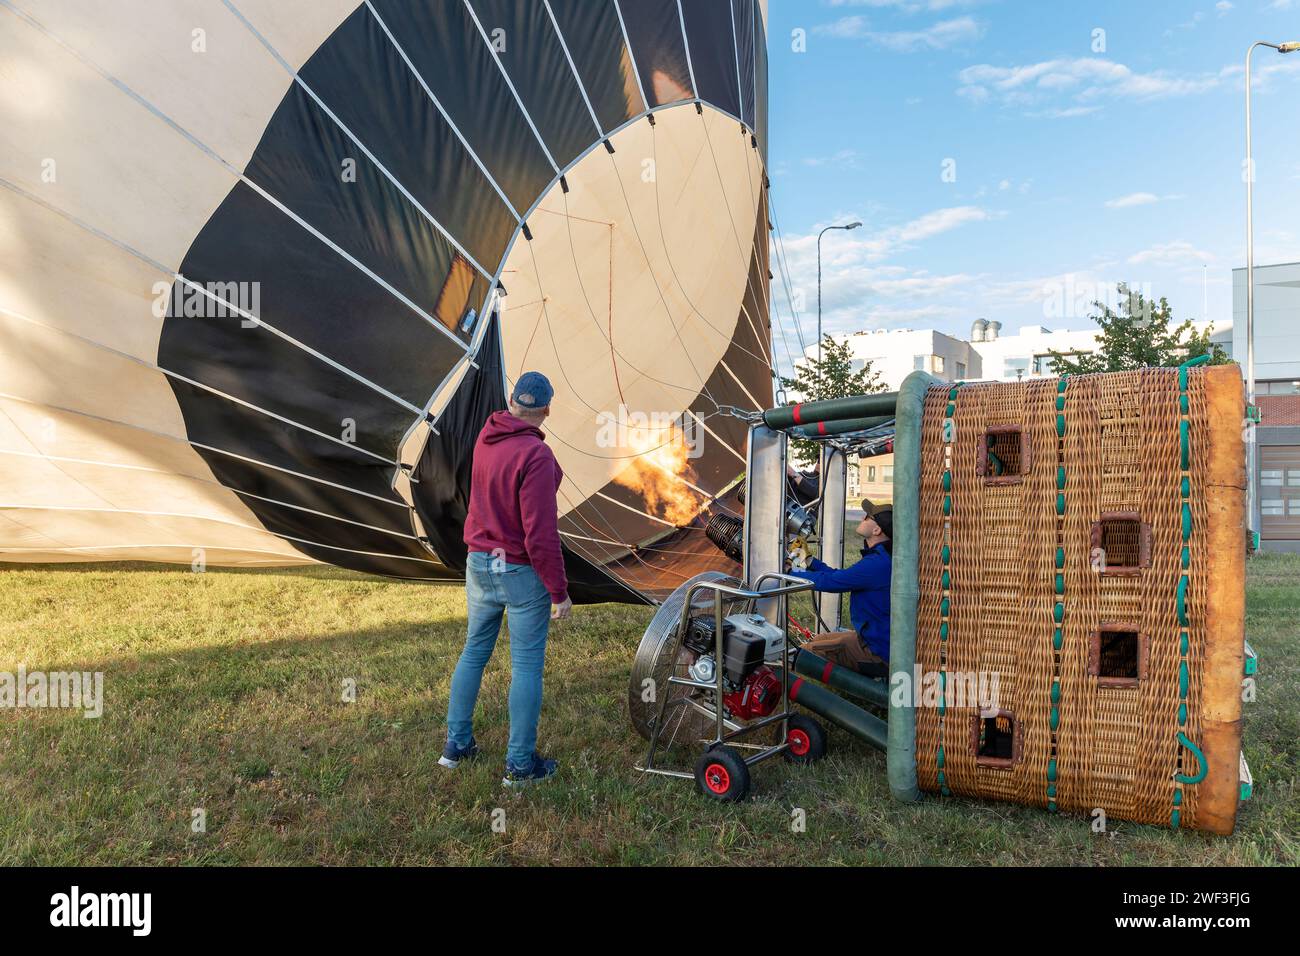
column 572, row 66
column 200, row 385
column 607, row 336
column 753, row 45
column 374, row 160
column 686, row 44
column 631, row 55
column 783, row 265
column 207, row 293
column 211, row 153
column 745, row 263
column 735, row 45
column 443, row 112
column 677, row 332
column 204, row 148
column 513, row 92
column 735, row 230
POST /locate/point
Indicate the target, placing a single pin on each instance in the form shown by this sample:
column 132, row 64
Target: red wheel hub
column 799, row 743
column 716, row 778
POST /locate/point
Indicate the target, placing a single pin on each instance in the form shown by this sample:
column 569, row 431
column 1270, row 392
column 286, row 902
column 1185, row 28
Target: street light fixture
column 1252, row 454
column 851, row 225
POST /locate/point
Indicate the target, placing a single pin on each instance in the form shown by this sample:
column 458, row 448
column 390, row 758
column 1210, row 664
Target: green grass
column 224, row 691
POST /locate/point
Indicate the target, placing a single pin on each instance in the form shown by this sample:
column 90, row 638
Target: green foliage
column 1140, row 334
column 833, row 376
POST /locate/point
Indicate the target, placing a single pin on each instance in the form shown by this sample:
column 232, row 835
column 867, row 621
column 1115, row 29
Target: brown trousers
column 844, row 648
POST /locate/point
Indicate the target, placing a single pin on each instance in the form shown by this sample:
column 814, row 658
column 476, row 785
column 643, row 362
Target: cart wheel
column 721, row 773
column 807, row 740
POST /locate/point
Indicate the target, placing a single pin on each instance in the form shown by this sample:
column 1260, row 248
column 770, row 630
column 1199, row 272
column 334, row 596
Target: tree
column 832, row 376
column 1140, row 334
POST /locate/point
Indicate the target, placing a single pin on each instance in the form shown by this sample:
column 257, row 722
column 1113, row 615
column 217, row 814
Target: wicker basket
column 1056, row 520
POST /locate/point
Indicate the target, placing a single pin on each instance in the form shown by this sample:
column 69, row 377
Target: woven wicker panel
column 1113, row 748
column 1117, row 471
column 1081, row 454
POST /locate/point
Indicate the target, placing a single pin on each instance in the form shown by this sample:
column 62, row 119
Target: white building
column 1277, row 390
column 1028, row 353
column 895, row 353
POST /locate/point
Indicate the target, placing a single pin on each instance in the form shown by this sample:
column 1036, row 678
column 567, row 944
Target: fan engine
column 751, row 688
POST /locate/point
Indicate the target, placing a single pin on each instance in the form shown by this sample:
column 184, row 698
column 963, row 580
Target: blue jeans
column 493, row 588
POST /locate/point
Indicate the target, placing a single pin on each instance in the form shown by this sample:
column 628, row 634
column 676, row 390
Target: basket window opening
column 1005, row 453
column 1121, row 542
column 1118, row 655
column 997, row 737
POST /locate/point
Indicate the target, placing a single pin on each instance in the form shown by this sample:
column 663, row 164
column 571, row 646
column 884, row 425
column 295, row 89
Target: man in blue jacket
column 865, row 648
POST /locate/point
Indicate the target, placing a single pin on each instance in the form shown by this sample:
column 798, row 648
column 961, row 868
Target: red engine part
column 757, row 697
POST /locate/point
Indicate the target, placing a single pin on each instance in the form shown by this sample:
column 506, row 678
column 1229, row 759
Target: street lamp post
column 851, row 225
column 1252, row 452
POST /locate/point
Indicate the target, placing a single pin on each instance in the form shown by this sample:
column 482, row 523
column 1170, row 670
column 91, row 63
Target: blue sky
column 1074, row 168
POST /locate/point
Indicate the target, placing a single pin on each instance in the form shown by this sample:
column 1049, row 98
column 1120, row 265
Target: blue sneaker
column 453, row 755
column 541, row 769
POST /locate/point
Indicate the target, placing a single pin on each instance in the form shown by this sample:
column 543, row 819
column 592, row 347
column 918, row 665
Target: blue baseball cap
column 533, row 390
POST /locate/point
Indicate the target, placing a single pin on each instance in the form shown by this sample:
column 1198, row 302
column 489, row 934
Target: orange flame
column 660, row 473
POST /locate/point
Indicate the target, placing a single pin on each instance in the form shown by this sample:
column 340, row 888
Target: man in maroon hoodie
column 515, row 567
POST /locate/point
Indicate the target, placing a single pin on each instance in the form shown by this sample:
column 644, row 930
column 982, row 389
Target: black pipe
column 839, row 427
column 874, row 692
column 831, row 410
column 841, row 713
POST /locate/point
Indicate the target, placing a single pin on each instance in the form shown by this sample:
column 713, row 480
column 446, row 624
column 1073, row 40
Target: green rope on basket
column 945, row 582
column 1058, row 607
column 1202, row 767
column 1180, row 597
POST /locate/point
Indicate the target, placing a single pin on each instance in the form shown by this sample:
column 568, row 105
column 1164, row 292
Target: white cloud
column 850, row 249
column 1170, row 253
column 1222, row 7
column 845, row 28
column 1277, row 245
column 1132, row 199
column 1263, row 74
column 938, row 36
column 1085, row 80
column 857, row 276
column 919, row 316
column 907, row 6
column 1189, row 24
column 931, row 224
column 841, row 159
column 1068, row 113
